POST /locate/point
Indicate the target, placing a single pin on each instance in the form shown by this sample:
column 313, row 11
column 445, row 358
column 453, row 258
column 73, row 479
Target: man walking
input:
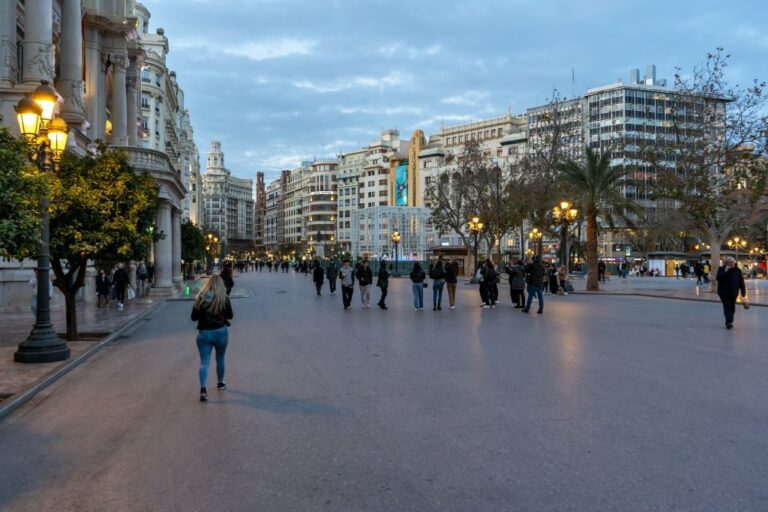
column 347, row 283
column 365, row 278
column 730, row 282
column 318, row 276
column 536, row 273
column 331, row 273
column 120, row 281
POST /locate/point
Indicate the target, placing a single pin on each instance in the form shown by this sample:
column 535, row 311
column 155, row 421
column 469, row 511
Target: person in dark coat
column 417, row 280
column 451, row 280
column 226, row 276
column 730, row 282
column 382, row 282
column 490, row 278
column 347, row 277
column 364, row 276
column 102, row 288
column 318, row 276
column 601, row 271
column 536, row 273
column 120, row 281
column 517, row 284
column 332, row 273
column 437, row 274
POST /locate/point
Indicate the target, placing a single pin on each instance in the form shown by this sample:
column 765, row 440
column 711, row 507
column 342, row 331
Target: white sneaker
column 453, row 307
column 415, row 309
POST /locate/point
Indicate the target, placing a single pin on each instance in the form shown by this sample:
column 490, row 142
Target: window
column 145, row 78
column 144, row 102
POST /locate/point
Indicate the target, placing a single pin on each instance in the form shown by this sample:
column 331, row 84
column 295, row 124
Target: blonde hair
column 216, row 285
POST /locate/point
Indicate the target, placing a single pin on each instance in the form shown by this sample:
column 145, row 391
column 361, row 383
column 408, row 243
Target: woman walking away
column 383, row 283
column 437, row 274
column 318, row 276
column 517, row 284
column 212, row 311
column 730, row 282
column 417, row 279
column 451, row 271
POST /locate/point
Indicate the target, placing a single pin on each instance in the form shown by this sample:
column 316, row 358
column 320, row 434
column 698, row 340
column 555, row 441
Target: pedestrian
column 517, row 284
column 364, row 276
column 226, row 276
column 141, row 277
column 488, row 280
column 562, row 277
column 318, row 276
column 347, row 276
column 494, row 286
column 332, row 273
column 212, row 311
column 437, row 274
column 601, row 271
column 120, row 281
column 535, row 273
column 382, row 282
column 151, row 273
column 418, row 285
column 451, row 280
column 730, row 282
column 102, row 289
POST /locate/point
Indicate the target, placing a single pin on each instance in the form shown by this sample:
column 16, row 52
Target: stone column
column 7, row 44
column 94, row 84
column 119, row 108
column 176, row 239
column 132, row 82
column 70, row 84
column 38, row 41
column 163, row 283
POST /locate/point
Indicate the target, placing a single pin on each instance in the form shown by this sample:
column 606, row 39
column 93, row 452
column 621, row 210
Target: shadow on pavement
column 274, row 403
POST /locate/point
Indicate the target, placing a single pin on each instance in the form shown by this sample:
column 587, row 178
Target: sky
column 281, row 81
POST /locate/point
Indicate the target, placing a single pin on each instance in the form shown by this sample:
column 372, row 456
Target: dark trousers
column 729, row 307
column 346, row 295
column 120, row 293
column 494, row 292
column 486, row 293
column 382, row 300
column 518, row 297
column 319, row 286
column 332, row 285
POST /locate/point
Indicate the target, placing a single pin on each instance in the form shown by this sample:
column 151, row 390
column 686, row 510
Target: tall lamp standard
column 564, row 214
column 47, row 139
column 396, row 242
column 475, row 227
column 535, row 236
column 736, row 243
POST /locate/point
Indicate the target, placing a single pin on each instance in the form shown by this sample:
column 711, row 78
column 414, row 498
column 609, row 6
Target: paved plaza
column 603, row 403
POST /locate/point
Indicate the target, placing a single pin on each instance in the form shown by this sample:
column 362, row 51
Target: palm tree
column 596, row 187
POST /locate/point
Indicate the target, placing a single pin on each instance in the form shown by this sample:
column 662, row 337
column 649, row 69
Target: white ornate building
column 94, row 53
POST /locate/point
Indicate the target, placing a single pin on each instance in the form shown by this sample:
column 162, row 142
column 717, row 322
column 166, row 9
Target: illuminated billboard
column 401, row 184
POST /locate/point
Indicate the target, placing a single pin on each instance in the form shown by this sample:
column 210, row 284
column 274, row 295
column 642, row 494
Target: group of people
column 116, row 284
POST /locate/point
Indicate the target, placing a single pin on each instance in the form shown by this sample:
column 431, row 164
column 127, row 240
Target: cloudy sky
column 280, row 81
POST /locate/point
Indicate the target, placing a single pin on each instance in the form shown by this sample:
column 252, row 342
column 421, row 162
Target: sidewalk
column 94, row 324
column 671, row 288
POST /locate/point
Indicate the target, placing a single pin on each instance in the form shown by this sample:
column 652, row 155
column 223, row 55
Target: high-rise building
column 228, row 204
column 260, row 211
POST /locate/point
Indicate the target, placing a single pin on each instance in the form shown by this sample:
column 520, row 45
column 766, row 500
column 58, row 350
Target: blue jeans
column 537, row 290
column 207, row 340
column 437, row 292
column 418, row 295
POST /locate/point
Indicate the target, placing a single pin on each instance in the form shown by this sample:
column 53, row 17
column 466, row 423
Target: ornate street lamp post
column 535, row 236
column 396, row 242
column 47, row 139
column 736, row 243
column 475, row 227
column 564, row 214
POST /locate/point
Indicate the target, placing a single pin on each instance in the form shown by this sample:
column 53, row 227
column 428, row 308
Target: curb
column 22, row 398
column 630, row 294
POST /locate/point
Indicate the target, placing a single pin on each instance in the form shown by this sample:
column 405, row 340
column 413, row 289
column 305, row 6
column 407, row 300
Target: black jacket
column 450, row 274
column 120, row 279
column 317, row 274
column 436, row 273
column 207, row 321
column 383, row 278
column 730, row 282
column 364, row 275
column 418, row 277
column 535, row 273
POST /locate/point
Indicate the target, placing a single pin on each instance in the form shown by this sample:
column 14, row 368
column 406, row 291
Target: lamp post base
column 42, row 346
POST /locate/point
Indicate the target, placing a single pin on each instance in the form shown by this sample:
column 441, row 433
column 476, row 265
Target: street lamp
column 535, row 235
column 475, row 226
column 396, row 242
column 735, row 243
column 47, row 139
column 564, row 214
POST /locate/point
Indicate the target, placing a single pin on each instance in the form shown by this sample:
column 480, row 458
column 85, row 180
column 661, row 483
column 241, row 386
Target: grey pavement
column 601, row 404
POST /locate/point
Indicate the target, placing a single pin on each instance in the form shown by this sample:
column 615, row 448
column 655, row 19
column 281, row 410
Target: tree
column 21, row 187
column 596, row 188
column 717, row 141
column 192, row 244
column 100, row 210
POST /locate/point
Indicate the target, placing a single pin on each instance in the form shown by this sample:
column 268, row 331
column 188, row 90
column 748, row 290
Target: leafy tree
column 100, row 209
column 718, row 143
column 192, row 242
column 21, row 188
column 596, row 188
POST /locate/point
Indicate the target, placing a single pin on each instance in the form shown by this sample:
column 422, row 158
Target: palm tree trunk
column 592, row 283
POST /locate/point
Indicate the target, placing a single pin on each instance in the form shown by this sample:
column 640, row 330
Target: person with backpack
column 535, row 273
column 212, row 311
column 382, row 282
column 437, row 274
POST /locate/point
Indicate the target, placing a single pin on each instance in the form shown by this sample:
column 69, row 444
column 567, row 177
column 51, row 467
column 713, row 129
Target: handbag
column 424, row 284
column 131, row 293
column 745, row 302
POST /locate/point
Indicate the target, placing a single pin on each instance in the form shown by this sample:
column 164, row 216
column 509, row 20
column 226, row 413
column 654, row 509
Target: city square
column 357, row 256
column 601, row 403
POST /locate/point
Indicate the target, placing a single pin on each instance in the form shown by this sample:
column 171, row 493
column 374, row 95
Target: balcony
column 159, row 166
